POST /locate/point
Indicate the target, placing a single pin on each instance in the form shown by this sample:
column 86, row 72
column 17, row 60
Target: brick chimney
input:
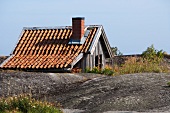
column 78, row 28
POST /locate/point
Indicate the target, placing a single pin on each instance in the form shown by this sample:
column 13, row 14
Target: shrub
column 168, row 83
column 25, row 104
column 151, row 61
column 107, row 70
column 116, row 51
column 87, row 70
column 140, row 65
column 96, row 70
column 153, row 55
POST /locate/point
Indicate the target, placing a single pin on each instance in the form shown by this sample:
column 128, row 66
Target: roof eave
column 12, row 52
column 107, row 44
column 77, row 59
column 100, row 32
column 4, row 62
column 95, row 40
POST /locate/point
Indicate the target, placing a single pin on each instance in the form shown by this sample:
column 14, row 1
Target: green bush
column 106, row 71
column 87, row 70
column 168, row 83
column 151, row 61
column 116, row 51
column 25, row 104
column 96, row 70
column 153, row 55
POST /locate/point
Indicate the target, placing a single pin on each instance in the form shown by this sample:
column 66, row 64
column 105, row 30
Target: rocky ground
column 92, row 93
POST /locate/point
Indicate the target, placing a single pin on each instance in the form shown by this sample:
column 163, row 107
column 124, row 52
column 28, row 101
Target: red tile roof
column 46, row 49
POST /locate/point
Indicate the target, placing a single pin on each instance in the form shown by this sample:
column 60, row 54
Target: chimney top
column 78, row 18
column 78, row 30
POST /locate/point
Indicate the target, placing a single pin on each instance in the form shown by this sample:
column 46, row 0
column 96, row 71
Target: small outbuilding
column 60, row 48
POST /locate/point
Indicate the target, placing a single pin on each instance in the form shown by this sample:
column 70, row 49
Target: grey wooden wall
column 88, row 60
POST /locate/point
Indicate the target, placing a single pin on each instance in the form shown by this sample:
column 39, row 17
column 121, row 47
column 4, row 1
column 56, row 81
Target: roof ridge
column 56, row 27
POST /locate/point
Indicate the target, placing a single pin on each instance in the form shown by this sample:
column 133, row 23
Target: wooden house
column 60, row 48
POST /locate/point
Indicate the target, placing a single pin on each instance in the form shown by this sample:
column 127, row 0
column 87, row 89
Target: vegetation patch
column 151, row 60
column 25, row 104
column 168, row 83
column 106, row 71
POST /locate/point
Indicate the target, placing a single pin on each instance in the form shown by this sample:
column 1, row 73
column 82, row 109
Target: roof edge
column 100, row 32
column 3, row 63
column 95, row 40
column 107, row 44
column 19, row 38
column 77, row 59
column 56, row 27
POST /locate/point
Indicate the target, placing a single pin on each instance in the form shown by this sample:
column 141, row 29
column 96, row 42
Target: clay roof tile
column 46, row 48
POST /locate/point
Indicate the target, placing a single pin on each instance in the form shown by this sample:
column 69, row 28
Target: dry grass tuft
column 25, row 104
column 141, row 65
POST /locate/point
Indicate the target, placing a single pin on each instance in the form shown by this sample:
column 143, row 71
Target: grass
column 151, row 60
column 141, row 65
column 134, row 65
column 25, row 104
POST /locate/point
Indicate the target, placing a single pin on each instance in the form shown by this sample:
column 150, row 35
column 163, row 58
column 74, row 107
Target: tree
column 151, row 53
column 116, row 51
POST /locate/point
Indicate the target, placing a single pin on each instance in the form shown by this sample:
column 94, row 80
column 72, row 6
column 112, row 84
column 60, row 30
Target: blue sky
column 130, row 25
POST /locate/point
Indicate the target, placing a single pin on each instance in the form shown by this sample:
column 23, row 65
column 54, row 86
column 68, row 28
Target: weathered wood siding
column 89, row 60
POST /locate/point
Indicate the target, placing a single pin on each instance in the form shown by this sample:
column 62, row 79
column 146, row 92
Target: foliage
column 25, row 104
column 96, row 70
column 116, row 51
column 87, row 70
column 106, row 71
column 168, row 83
column 151, row 61
column 152, row 54
column 139, row 65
